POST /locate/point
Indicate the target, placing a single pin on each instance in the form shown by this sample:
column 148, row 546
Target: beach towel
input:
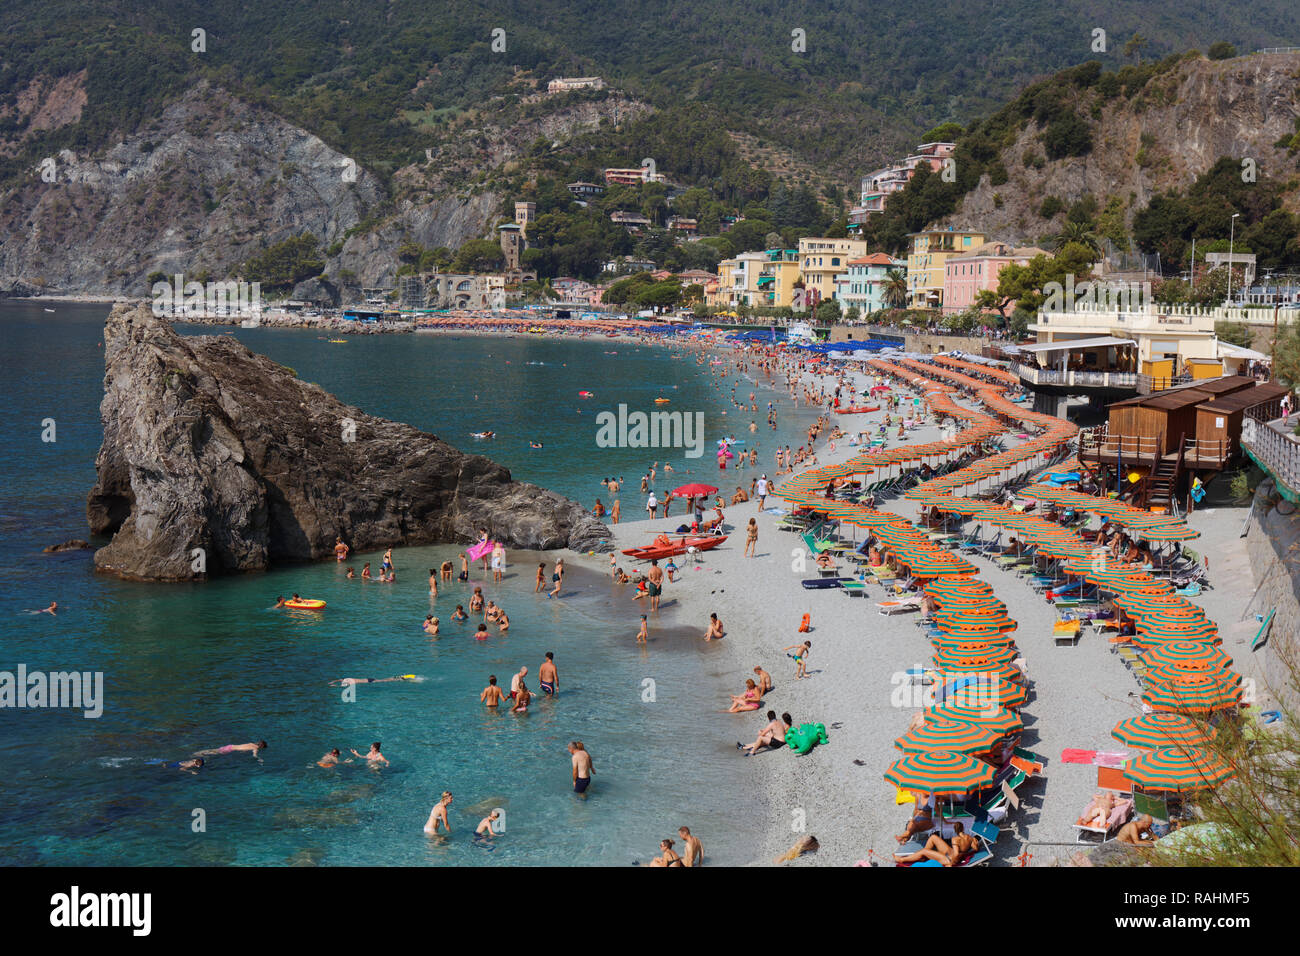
column 1070, row 755
column 1100, row 758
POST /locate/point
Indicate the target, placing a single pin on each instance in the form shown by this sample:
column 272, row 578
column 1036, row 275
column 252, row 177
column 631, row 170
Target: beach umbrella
column 978, row 665
column 1166, row 672
column 971, row 646
column 1162, row 729
column 940, row 772
column 958, row 736
column 989, row 618
column 969, row 652
column 981, row 710
column 1201, row 695
column 1175, row 630
column 954, row 600
column 694, row 489
column 981, row 693
column 1194, row 654
column 1131, row 602
column 1178, row 769
column 948, row 584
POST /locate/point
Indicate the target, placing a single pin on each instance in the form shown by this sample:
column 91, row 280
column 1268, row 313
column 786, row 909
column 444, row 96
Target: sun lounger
column 821, row 584
column 852, row 588
column 904, row 604
column 1262, row 634
column 1119, row 814
column 1066, row 633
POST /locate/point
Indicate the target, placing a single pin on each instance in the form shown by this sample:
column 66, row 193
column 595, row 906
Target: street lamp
column 1232, row 231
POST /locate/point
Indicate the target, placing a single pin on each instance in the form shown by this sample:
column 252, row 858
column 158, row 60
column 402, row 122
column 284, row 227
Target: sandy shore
column 837, row 792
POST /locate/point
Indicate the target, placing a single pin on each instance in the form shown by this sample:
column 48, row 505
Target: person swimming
column 350, row 681
column 254, row 749
column 330, row 759
column 459, row 614
column 373, row 755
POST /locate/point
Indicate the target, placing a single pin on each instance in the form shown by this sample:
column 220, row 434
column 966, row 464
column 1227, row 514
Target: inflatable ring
column 304, row 604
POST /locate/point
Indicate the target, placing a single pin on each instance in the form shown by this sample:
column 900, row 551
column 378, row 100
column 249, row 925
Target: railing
column 1273, row 451
column 1134, row 448
column 1146, row 384
column 1080, row 377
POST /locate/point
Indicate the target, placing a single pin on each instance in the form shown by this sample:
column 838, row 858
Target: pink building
column 967, row 275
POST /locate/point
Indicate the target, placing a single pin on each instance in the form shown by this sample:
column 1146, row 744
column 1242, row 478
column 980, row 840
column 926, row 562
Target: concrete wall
column 1273, row 544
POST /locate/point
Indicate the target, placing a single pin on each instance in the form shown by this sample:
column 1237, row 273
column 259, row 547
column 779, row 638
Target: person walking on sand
column 656, row 583
column 583, row 767
column 751, row 538
column 644, row 631
column 800, row 656
column 438, row 815
column 548, row 676
column 760, row 489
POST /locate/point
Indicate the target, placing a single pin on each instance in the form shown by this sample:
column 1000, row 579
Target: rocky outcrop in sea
column 218, row 460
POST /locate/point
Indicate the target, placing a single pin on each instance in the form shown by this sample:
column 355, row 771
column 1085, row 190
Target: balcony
column 1268, row 444
column 1033, row 375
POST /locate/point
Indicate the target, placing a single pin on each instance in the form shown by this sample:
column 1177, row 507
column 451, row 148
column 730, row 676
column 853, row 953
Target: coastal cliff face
column 216, row 460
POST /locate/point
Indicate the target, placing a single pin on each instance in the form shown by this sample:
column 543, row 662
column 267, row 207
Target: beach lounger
column 1262, row 634
column 1119, row 814
column 895, row 607
column 821, row 584
column 1066, row 633
column 852, row 588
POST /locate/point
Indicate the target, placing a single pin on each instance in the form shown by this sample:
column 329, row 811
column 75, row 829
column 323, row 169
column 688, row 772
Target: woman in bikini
column 522, row 697
column 715, row 628
column 751, row 538
column 670, row 857
column 922, row 819
column 936, row 848
column 476, row 600
column 751, row 699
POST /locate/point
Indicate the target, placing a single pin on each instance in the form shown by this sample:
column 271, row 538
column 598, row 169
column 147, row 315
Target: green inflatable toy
column 805, row 737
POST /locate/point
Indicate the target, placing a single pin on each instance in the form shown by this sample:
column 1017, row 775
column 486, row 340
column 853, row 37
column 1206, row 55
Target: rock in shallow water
column 216, row 459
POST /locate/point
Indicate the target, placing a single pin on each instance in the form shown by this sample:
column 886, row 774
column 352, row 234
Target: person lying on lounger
column 936, row 848
column 1097, row 813
column 824, row 560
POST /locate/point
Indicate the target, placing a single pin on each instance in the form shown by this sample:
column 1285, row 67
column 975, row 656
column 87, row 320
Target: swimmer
column 352, row 573
column 365, row 572
column 481, row 634
column 534, row 444
column 330, row 759
column 431, row 626
column 484, row 830
column 191, row 766
column 438, row 815
column 492, row 695
column 52, row 609
column 433, row 582
column 350, row 681
column 459, row 614
column 373, row 755
column 254, row 749
column 279, row 601
column 548, row 676
column 521, row 697
column 503, row 620
column 583, row 767
column 464, row 568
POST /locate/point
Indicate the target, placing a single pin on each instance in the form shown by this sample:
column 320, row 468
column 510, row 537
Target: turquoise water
column 197, row 666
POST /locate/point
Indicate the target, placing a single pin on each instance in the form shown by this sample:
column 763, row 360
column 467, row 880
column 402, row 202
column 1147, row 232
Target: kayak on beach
column 654, row 551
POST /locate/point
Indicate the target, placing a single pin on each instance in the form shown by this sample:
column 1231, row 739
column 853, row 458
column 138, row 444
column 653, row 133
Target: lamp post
column 1232, row 232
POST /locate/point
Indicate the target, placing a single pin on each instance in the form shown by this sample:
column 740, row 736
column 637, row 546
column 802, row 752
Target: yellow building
column 821, row 260
column 777, row 278
column 925, row 264
column 738, row 281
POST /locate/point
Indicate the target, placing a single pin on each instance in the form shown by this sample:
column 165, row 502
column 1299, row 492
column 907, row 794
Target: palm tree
column 1080, row 233
column 895, row 289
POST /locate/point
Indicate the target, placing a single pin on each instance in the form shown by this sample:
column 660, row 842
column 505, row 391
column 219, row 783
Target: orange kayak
column 701, row 543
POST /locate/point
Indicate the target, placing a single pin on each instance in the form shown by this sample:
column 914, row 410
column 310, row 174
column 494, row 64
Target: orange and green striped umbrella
column 1195, row 654
column 1181, row 670
column 1178, row 769
column 971, row 646
column 1175, row 630
column 982, row 710
column 959, row 736
column 940, row 772
column 1162, row 729
column 1201, row 695
column 945, row 656
column 1007, row 672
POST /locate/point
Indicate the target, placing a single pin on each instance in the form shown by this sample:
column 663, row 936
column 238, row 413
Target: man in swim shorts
column 514, row 681
column 583, row 769
column 547, row 675
column 656, row 583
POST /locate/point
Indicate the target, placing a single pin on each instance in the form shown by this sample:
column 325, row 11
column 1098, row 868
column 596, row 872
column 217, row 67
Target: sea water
column 192, row 666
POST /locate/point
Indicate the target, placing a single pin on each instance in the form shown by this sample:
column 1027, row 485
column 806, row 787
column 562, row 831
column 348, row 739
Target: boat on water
column 679, row 546
column 662, row 401
column 337, row 341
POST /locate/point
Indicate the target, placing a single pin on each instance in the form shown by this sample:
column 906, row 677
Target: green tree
column 1222, row 50
column 478, row 255
column 1234, row 333
column 1079, row 233
column 1134, row 46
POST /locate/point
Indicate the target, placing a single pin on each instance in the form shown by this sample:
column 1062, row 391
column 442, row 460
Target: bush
column 1223, row 50
column 1050, row 207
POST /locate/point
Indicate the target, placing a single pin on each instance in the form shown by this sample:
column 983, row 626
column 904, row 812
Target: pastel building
column 970, row 273
column 778, row 276
column 821, row 260
column 738, row 281
column 926, row 271
column 863, row 285
column 878, row 184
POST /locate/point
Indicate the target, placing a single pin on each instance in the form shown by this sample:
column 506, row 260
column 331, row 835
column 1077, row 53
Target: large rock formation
column 217, row 459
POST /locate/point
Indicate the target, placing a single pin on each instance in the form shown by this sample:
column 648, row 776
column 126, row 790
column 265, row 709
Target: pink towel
column 1077, row 756
column 1104, row 759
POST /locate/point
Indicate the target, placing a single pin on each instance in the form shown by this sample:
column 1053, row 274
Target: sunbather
column 936, row 848
column 1097, row 813
column 824, row 560
column 1137, row 832
column 751, row 699
column 922, row 819
column 772, row 735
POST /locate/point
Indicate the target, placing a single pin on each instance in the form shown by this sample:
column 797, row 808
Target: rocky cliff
column 217, row 460
column 1169, row 134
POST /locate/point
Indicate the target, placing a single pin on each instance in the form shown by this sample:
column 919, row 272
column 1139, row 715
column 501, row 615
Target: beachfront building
column 444, row 290
column 778, row 277
column 738, row 281
column 564, row 84
column 970, row 273
column 821, row 260
column 931, row 249
column 879, row 184
column 863, row 287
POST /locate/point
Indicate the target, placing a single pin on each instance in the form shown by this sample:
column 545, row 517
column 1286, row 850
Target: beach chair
column 1028, row 762
column 1119, row 815
column 854, row 588
column 1066, row 633
column 1155, row 807
column 899, row 606
column 1262, row 634
column 985, row 833
column 1112, row 778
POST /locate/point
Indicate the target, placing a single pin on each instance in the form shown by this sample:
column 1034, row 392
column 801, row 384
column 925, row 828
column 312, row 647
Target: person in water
column 438, row 815
column 583, row 767
column 459, row 614
column 522, row 696
column 254, row 749
column 492, row 694
column 330, row 759
column 190, row 766
column 52, row 609
column 557, row 577
column 433, row 582
column 644, row 631
column 352, row 573
column 340, row 550
column 481, row 633
column 373, row 755
column 669, row 858
column 351, row 681
column 279, row 601
column 464, row 568
column 484, row 830
column 548, row 676
column 541, row 577
column 365, row 571
column 431, row 626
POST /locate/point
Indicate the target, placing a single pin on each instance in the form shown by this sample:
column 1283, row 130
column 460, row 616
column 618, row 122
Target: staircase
column 1162, row 484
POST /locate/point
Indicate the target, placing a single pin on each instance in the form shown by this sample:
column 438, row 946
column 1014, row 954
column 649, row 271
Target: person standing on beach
column 614, row 512
column 760, row 489
column 498, row 561
column 751, row 538
column 656, row 579
column 438, row 815
column 651, row 504
column 548, row 676
column 800, row 656
column 583, row 768
column 557, row 577
column 541, row 577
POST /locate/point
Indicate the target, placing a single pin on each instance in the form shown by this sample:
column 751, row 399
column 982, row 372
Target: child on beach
column 541, row 577
column 644, row 631
column 800, row 656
